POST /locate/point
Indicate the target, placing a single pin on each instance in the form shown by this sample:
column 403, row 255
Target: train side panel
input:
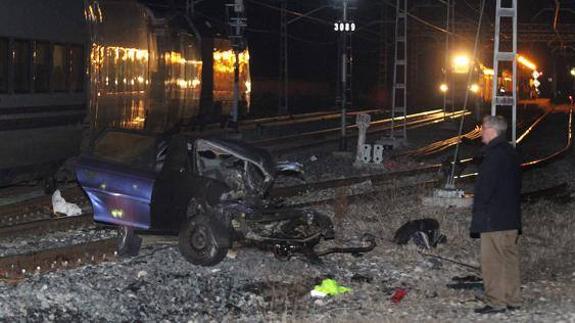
column 42, row 85
column 147, row 75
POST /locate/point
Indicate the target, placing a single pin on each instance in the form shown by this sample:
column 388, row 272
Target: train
column 480, row 85
column 69, row 69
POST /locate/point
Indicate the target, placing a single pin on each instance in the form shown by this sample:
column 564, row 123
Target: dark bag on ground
column 423, row 232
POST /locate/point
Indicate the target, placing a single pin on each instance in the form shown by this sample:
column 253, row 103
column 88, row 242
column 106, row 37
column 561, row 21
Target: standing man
column 497, row 218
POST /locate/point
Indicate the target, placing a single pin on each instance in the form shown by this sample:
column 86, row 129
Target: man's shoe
column 513, row 308
column 489, row 310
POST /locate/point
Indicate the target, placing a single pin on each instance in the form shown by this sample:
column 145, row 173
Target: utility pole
column 190, row 8
column 382, row 81
column 505, row 56
column 399, row 91
column 446, row 86
column 345, row 27
column 237, row 21
column 283, row 99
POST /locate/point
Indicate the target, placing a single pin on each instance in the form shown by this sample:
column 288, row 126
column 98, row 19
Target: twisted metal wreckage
column 209, row 192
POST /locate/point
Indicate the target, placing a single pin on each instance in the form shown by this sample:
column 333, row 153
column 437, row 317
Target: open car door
column 118, row 176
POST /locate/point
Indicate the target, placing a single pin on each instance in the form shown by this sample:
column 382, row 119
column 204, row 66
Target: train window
column 3, row 65
column 76, row 68
column 42, row 67
column 59, row 68
column 21, row 60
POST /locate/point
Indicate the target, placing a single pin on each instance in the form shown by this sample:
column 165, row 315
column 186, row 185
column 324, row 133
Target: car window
column 127, row 148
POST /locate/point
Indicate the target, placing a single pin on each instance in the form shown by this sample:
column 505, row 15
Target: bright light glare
column 573, row 71
column 474, row 88
column 525, row 62
column 461, row 63
column 443, row 87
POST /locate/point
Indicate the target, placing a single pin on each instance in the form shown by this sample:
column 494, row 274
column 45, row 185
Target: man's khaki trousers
column 500, row 268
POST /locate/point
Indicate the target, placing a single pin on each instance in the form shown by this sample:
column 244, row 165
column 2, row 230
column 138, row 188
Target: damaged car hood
column 256, row 156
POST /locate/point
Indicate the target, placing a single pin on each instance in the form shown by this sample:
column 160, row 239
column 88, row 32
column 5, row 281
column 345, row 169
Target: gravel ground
column 252, row 286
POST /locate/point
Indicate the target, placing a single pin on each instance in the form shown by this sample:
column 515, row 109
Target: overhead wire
column 322, row 21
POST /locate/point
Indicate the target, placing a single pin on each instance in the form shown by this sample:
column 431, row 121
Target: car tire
column 200, row 241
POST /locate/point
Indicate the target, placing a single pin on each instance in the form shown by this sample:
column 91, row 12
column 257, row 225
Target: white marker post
column 362, row 121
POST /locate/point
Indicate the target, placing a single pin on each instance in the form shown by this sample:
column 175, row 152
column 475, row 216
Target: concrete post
column 362, row 121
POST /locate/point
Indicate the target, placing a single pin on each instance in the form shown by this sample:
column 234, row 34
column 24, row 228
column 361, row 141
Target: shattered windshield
column 241, row 175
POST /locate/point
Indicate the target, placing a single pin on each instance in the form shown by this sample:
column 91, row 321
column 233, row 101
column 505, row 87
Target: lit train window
column 76, row 68
column 42, row 67
column 21, row 60
column 59, row 68
column 3, row 65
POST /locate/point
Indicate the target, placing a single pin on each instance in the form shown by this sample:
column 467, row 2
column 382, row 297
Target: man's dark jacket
column 497, row 205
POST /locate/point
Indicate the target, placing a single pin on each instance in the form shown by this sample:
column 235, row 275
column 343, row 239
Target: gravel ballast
column 250, row 285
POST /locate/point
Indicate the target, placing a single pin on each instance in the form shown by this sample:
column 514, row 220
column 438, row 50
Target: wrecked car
column 208, row 192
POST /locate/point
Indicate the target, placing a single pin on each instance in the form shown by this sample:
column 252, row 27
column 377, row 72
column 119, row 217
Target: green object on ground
column 330, row 287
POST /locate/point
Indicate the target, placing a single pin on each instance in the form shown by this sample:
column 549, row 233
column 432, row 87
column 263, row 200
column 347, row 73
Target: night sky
column 313, row 43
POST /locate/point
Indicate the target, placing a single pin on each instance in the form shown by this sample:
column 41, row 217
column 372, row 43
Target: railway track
column 442, row 145
column 319, row 133
column 528, row 165
column 46, row 225
column 311, row 139
column 278, row 121
column 37, row 209
column 45, row 222
column 35, row 216
column 14, row 268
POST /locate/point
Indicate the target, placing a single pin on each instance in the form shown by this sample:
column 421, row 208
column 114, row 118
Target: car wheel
column 129, row 243
column 200, row 241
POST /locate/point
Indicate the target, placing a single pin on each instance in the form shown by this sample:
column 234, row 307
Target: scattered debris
column 232, row 253
column 60, row 206
column 469, row 282
column 398, row 295
column 359, row 278
column 313, row 158
column 466, row 286
column 328, row 287
column 423, row 232
column 467, row 279
column 289, row 167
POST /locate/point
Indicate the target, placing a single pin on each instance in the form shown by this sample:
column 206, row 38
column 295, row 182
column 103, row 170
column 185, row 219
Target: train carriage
column 480, row 83
column 43, row 87
column 69, row 69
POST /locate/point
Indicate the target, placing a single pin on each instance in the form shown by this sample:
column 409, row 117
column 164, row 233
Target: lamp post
column 572, row 72
column 345, row 27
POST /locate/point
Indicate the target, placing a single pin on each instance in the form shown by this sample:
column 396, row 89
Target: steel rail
column 290, row 146
column 334, row 130
column 16, row 267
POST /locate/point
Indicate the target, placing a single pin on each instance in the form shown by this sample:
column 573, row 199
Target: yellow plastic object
column 330, row 287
